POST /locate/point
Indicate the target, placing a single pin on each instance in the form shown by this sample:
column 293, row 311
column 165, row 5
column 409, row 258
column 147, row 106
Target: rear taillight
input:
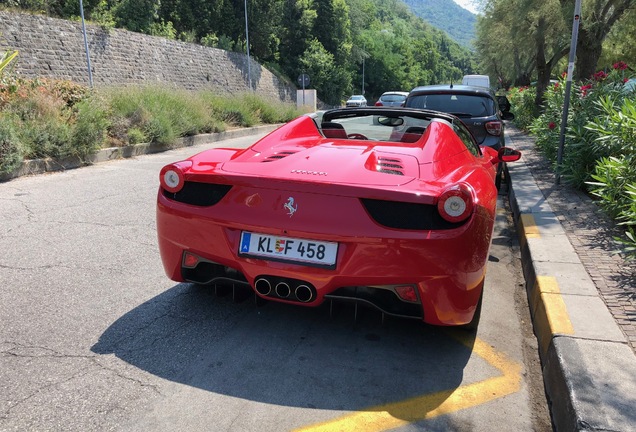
column 456, row 203
column 172, row 176
column 378, row 103
column 494, row 127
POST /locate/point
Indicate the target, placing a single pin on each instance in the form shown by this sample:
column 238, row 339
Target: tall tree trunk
column 588, row 52
column 543, row 71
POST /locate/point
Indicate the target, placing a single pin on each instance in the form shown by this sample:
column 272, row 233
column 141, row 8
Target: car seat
column 412, row 134
column 333, row 130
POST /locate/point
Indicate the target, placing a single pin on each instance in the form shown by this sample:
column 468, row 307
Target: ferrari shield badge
column 290, row 206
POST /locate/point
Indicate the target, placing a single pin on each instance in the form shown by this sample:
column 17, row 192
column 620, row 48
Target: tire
column 499, row 176
column 474, row 323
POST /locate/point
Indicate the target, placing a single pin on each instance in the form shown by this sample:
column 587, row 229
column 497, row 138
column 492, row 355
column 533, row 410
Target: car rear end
column 310, row 234
column 476, row 107
column 428, row 273
column 392, row 99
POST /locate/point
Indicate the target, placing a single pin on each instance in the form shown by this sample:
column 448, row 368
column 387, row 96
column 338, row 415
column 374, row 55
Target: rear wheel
column 500, row 175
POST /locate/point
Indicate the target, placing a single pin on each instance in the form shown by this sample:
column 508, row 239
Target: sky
column 471, row 5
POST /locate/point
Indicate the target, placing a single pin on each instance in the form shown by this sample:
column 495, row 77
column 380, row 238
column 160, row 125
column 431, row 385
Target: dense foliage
column 345, row 46
column 533, row 39
column 599, row 153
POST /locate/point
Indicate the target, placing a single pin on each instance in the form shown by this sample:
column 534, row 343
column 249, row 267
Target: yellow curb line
column 551, row 314
column 396, row 414
column 529, row 225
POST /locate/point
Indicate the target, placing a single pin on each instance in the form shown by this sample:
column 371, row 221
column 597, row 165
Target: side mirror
column 506, row 154
column 507, row 115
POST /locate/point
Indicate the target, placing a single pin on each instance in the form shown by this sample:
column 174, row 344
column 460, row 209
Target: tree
column 619, row 44
column 137, row 15
column 597, row 19
column 264, row 17
column 296, row 34
column 327, row 77
column 332, row 28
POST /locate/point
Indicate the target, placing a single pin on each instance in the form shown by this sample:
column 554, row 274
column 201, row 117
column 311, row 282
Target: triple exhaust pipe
column 284, row 288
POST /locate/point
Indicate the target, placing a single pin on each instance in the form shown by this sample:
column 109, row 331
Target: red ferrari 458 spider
column 390, row 207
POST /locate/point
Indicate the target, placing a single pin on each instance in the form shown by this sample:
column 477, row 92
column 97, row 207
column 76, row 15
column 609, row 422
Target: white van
column 476, row 80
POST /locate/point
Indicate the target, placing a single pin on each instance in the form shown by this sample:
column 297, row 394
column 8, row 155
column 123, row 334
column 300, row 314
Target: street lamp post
column 568, row 87
column 88, row 57
column 362, row 76
column 247, row 43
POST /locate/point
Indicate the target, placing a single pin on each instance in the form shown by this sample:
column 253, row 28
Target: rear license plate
column 314, row 252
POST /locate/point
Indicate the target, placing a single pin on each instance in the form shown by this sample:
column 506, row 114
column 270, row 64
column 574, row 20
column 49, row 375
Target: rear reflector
column 190, row 260
column 407, row 293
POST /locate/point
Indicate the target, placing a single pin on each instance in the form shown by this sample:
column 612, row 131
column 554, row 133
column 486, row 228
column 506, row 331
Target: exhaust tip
column 263, row 286
column 304, row 294
column 282, row 289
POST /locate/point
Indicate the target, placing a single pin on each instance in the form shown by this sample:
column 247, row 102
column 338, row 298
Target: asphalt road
column 94, row 337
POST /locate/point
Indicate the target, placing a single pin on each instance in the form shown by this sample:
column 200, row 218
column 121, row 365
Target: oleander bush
column 522, row 105
column 599, row 149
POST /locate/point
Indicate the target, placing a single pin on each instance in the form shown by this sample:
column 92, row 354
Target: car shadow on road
column 288, row 355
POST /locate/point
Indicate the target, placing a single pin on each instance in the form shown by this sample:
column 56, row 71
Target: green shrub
column 163, row 114
column 615, row 187
column 137, row 136
column 522, row 105
column 54, row 118
column 234, row 111
column 91, row 125
column 589, row 101
column 45, row 138
column 11, row 154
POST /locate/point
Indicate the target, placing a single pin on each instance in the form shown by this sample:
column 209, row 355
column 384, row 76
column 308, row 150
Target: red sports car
column 391, row 207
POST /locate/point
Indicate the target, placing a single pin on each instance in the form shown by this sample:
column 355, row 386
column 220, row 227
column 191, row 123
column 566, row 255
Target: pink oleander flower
column 556, row 85
column 551, row 125
column 599, row 76
column 625, row 80
column 564, row 74
column 620, row 65
column 585, row 88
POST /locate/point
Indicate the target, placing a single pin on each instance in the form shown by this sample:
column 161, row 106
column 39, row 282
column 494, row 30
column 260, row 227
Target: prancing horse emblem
column 290, row 207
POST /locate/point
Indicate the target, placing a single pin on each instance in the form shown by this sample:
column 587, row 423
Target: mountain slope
column 448, row 16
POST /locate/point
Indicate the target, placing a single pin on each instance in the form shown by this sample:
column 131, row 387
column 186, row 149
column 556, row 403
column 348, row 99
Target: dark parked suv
column 477, row 107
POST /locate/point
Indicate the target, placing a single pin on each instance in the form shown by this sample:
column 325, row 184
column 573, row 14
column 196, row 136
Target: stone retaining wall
column 54, row 48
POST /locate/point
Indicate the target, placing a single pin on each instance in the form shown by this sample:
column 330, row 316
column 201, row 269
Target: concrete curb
column 589, row 369
column 41, row 166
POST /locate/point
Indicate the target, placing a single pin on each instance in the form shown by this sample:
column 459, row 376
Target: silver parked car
column 356, row 101
column 392, row 99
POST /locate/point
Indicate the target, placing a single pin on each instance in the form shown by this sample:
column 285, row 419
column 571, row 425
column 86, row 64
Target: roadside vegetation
column 599, row 154
column 46, row 118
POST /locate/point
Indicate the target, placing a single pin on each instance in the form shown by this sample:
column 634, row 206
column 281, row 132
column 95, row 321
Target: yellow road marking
column 550, row 311
column 529, row 225
column 396, row 414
